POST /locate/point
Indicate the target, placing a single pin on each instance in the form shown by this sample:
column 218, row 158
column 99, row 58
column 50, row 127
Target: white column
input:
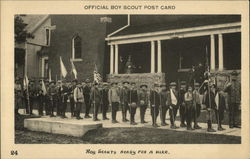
column 212, row 52
column 152, row 57
column 116, row 59
column 221, row 64
column 159, row 65
column 111, row 59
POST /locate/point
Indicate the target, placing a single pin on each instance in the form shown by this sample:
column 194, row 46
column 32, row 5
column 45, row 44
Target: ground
column 128, row 135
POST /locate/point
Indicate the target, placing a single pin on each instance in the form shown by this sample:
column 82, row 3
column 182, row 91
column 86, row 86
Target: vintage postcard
column 125, row 79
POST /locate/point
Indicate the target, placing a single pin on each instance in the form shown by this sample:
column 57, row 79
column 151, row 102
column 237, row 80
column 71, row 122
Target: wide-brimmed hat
column 163, row 85
column 196, row 84
column 173, row 84
column 143, row 85
column 125, row 82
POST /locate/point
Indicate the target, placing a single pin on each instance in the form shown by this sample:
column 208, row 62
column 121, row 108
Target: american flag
column 97, row 75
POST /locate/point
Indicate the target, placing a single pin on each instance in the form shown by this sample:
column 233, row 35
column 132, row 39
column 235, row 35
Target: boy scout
column 143, row 101
column 114, row 100
column 124, row 98
column 95, row 98
column 163, row 104
column 52, row 97
column 63, row 92
column 233, row 89
column 105, row 101
column 188, row 99
column 78, row 100
column 154, row 104
column 197, row 104
column 71, row 97
column 172, row 97
column 86, row 93
column 133, row 101
column 182, row 108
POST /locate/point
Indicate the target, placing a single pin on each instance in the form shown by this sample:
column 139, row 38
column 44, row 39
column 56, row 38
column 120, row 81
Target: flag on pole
column 25, row 82
column 63, row 69
column 97, row 75
column 44, row 88
column 74, row 69
column 50, row 75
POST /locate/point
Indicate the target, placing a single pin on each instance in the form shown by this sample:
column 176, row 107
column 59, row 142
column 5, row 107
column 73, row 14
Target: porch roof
column 170, row 22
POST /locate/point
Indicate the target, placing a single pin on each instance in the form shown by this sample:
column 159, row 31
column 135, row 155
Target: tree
column 20, row 33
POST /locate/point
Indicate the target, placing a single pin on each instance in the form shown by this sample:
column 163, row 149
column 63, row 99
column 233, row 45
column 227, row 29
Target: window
column 47, row 37
column 76, row 47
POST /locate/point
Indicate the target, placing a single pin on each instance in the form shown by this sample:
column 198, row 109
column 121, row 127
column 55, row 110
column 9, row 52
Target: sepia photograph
column 127, row 79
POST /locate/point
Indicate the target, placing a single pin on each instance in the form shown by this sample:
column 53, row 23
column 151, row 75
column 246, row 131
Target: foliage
column 20, row 33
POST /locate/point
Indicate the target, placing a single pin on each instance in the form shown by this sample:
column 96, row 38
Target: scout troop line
column 127, row 97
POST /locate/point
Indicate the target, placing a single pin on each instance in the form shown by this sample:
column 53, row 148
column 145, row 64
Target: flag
column 50, row 75
column 97, row 75
column 44, row 88
column 63, row 69
column 25, row 82
column 74, row 69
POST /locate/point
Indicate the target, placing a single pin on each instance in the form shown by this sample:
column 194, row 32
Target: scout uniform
column 189, row 103
column 154, row 104
column 133, row 101
column 173, row 97
column 209, row 101
column 78, row 100
column 40, row 99
column 46, row 99
column 105, row 101
column 182, row 104
column 233, row 89
column 18, row 96
column 71, row 97
column 52, row 93
column 197, row 104
column 143, row 99
column 220, row 108
column 63, row 93
column 114, row 100
column 124, row 98
column 95, row 97
column 86, row 93
column 163, row 104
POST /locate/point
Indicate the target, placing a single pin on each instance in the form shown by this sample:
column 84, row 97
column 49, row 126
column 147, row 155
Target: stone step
column 60, row 126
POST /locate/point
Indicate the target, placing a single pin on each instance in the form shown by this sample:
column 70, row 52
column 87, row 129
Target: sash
column 217, row 100
column 173, row 98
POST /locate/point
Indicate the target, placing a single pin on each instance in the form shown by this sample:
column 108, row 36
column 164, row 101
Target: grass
column 120, row 136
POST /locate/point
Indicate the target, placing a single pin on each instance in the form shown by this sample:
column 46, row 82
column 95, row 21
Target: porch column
column 212, row 53
column 116, row 59
column 159, row 65
column 111, row 59
column 221, row 64
column 152, row 57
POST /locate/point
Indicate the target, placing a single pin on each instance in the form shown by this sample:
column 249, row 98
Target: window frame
column 73, row 48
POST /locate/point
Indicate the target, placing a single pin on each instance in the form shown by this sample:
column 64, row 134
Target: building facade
column 165, row 47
